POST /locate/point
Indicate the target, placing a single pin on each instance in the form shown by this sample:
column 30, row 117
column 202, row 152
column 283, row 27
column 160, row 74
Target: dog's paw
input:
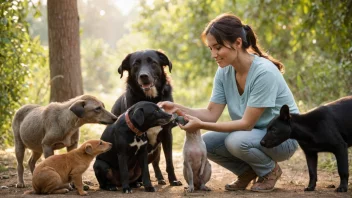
column 20, row 185
column 189, row 189
column 176, row 183
column 83, row 193
column 309, row 188
column 149, row 189
column 136, row 184
column 127, row 190
column 109, row 188
column 205, row 188
column 161, row 182
column 341, row 189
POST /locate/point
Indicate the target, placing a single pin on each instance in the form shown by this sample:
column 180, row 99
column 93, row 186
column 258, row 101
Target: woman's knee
column 237, row 142
column 213, row 140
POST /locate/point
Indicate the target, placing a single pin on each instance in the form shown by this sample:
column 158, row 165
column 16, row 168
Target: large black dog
column 147, row 81
column 127, row 160
column 327, row 128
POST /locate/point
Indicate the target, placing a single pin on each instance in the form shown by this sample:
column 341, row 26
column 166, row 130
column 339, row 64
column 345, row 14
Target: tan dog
column 52, row 176
column 44, row 129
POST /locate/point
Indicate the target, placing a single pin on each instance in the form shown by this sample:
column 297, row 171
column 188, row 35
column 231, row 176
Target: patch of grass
column 327, row 161
column 3, row 168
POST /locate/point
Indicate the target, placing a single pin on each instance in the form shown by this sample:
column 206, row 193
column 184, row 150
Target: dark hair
column 228, row 27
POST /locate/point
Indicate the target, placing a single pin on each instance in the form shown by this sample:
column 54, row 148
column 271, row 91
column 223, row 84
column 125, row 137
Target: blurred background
column 311, row 37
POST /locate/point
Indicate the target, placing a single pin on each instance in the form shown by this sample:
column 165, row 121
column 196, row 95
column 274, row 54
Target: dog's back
column 20, row 115
column 341, row 113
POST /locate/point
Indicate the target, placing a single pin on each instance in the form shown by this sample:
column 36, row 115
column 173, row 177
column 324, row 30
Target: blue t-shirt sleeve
column 218, row 93
column 264, row 90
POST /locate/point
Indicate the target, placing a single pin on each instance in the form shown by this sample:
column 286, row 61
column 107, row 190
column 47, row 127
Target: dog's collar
column 131, row 126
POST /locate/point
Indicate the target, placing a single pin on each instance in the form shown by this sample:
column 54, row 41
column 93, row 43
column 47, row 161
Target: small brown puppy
column 44, row 129
column 52, row 176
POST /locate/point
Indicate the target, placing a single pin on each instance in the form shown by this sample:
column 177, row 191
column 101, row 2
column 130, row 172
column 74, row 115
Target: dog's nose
column 262, row 142
column 114, row 119
column 143, row 77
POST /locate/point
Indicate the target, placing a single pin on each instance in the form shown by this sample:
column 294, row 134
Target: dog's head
column 91, row 110
column 278, row 130
column 146, row 70
column 95, row 147
column 145, row 115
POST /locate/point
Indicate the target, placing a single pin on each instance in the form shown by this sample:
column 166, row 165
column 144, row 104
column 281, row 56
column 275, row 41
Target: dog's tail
column 29, row 192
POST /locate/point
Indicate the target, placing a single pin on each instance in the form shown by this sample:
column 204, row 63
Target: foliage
column 312, row 38
column 18, row 54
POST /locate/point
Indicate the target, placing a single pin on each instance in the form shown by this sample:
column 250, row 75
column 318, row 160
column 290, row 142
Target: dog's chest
column 138, row 142
column 152, row 135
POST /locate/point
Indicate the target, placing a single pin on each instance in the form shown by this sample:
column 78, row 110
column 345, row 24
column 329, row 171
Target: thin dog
column 53, row 175
column 127, row 160
column 44, row 129
column 196, row 167
column 327, row 128
column 147, row 81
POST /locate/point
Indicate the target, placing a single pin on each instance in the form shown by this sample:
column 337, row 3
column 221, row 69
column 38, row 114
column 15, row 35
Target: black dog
column 147, row 81
column 325, row 129
column 127, row 160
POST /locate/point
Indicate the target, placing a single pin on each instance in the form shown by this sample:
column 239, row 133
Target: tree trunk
column 64, row 50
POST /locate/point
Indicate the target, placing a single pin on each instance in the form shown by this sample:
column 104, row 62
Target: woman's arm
column 209, row 114
column 250, row 117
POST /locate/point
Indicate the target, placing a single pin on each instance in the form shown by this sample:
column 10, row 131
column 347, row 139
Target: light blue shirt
column 265, row 87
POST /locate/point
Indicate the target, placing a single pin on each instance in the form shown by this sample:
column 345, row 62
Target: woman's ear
column 238, row 43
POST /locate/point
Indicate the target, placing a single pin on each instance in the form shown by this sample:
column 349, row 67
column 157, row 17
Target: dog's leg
column 167, row 147
column 19, row 150
column 34, row 158
column 312, row 159
column 188, row 174
column 156, row 167
column 74, row 141
column 124, row 175
column 143, row 158
column 48, row 151
column 205, row 177
column 342, row 165
column 77, row 180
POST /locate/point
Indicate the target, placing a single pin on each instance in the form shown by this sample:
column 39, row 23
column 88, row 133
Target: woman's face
column 224, row 55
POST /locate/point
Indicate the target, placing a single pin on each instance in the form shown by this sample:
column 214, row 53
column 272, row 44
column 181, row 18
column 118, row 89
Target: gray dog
column 44, row 129
column 196, row 167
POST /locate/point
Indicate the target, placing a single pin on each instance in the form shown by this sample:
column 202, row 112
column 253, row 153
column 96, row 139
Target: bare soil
column 291, row 183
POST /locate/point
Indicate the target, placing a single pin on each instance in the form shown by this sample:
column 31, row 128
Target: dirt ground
column 291, row 183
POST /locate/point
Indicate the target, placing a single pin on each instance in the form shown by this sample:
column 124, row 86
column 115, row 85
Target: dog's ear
column 138, row 116
column 125, row 65
column 285, row 113
column 164, row 60
column 88, row 149
column 78, row 108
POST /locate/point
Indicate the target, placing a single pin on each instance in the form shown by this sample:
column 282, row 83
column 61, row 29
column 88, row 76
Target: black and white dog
column 127, row 160
column 327, row 128
column 147, row 81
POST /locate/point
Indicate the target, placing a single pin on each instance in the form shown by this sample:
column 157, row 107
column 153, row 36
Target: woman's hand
column 170, row 107
column 193, row 123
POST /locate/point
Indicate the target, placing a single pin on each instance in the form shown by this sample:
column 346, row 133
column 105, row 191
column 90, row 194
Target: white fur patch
column 138, row 143
column 151, row 93
column 152, row 134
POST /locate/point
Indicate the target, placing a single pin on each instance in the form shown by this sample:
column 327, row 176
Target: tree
column 19, row 54
column 64, row 50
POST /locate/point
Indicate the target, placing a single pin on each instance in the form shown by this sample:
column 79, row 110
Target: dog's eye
column 100, row 143
column 98, row 109
column 155, row 63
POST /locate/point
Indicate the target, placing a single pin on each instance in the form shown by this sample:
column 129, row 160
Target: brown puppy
column 44, row 129
column 52, row 176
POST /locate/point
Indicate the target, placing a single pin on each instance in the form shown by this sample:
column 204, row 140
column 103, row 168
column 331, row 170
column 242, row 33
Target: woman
column 251, row 84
